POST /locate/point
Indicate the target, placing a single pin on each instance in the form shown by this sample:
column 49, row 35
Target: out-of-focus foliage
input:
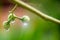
column 50, row 7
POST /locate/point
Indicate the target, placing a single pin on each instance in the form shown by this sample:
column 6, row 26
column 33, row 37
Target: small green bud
column 11, row 17
column 25, row 19
column 6, row 25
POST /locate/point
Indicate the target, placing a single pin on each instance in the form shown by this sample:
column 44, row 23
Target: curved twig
column 35, row 11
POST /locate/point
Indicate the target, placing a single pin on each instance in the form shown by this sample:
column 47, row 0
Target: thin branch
column 13, row 9
column 35, row 11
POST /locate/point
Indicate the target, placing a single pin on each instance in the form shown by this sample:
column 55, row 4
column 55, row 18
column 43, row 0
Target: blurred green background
column 37, row 28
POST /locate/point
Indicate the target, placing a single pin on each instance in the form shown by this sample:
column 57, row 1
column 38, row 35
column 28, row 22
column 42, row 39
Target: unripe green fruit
column 6, row 25
column 11, row 17
column 25, row 19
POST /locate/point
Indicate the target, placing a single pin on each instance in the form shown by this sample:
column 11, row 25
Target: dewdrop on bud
column 6, row 25
column 25, row 19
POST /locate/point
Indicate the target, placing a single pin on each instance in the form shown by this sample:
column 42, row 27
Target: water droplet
column 25, row 23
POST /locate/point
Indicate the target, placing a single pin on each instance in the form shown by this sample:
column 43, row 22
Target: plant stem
column 35, row 11
column 13, row 9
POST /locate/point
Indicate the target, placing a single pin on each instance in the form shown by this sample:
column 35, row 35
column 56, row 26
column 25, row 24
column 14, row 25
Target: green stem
column 35, row 11
column 13, row 9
